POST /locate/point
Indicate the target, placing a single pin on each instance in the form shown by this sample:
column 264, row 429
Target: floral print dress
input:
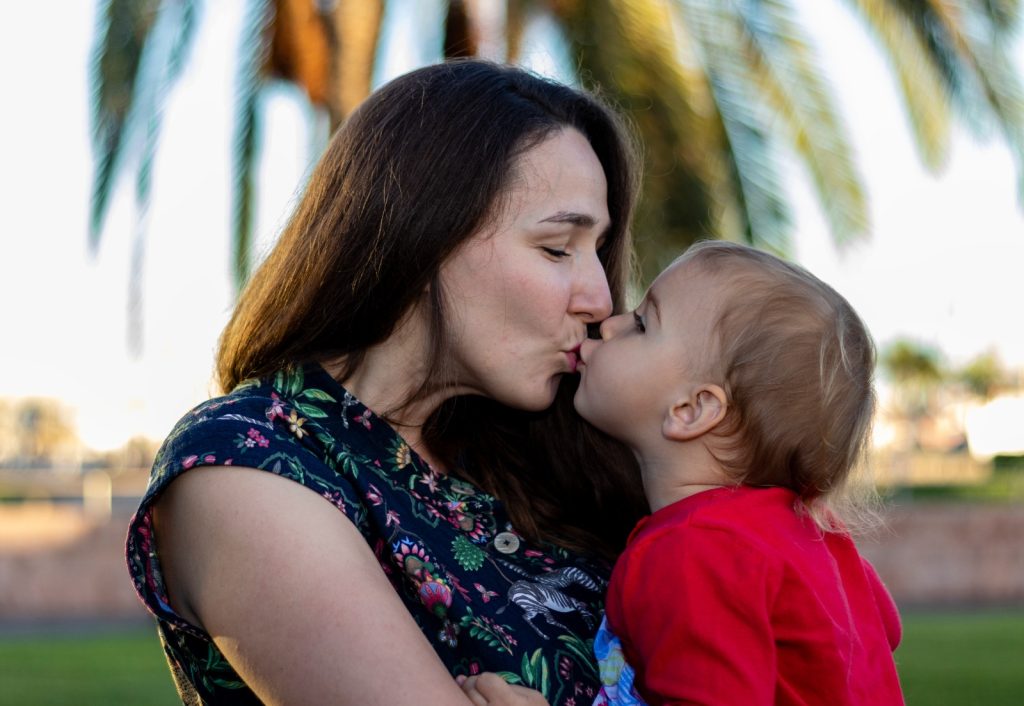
column 485, row 598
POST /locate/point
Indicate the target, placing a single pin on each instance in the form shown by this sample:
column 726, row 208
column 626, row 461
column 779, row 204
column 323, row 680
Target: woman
column 406, row 352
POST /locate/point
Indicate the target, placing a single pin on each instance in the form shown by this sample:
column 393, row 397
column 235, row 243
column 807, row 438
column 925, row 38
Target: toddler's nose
column 611, row 326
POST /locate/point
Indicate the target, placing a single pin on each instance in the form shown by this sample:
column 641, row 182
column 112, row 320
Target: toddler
column 743, row 385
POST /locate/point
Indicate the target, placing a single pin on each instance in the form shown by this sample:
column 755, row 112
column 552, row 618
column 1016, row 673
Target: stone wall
column 951, row 554
column 61, row 565
column 75, row 570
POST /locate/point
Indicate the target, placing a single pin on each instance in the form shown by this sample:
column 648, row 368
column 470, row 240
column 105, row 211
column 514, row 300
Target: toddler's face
column 647, row 357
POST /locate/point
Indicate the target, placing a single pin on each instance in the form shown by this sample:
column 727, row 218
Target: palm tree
column 715, row 88
column 916, row 372
column 984, row 376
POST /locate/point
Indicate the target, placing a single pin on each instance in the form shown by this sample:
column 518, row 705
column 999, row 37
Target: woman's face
column 521, row 292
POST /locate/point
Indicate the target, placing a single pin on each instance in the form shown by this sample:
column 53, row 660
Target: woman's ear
column 695, row 414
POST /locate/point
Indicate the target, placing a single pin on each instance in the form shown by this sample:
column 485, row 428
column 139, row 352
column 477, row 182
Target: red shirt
column 732, row 597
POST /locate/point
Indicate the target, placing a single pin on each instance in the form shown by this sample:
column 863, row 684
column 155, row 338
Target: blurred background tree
column 984, row 376
column 35, row 432
column 916, row 372
column 717, row 90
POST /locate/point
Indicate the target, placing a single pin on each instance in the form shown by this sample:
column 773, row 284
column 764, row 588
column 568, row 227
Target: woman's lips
column 574, row 358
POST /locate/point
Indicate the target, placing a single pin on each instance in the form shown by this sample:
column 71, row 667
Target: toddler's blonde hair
column 797, row 364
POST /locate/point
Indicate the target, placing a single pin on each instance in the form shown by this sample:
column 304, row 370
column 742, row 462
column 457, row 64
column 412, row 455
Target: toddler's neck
column 669, row 480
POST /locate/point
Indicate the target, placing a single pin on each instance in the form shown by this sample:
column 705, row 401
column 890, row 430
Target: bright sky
column 939, row 266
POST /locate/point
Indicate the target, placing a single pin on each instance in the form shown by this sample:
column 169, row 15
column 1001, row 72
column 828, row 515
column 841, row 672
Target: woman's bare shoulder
column 290, row 592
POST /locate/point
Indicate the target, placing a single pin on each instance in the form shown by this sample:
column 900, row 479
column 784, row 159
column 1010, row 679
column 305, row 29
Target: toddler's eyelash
column 640, row 326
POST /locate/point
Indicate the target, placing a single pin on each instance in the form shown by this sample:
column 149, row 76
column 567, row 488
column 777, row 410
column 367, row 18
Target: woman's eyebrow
column 580, row 220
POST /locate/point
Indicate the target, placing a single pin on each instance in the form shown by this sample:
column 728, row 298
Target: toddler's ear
column 696, row 414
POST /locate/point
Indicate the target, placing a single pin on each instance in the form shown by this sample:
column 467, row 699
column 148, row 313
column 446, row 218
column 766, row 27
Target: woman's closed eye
column 556, row 252
column 640, row 325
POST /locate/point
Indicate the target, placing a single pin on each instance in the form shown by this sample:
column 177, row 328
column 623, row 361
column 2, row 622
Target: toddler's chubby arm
column 488, row 689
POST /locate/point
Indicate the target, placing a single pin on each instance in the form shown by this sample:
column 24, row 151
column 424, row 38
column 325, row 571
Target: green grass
column 116, row 668
column 954, row 659
column 962, row 659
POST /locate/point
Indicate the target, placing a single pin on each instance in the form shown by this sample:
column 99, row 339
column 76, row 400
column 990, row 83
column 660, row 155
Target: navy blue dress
column 486, row 599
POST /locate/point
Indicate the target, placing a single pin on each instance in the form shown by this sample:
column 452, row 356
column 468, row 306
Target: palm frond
column 630, row 52
column 1003, row 14
column 777, row 62
column 141, row 48
column 926, row 97
column 746, row 121
column 254, row 50
column 968, row 42
column 121, row 35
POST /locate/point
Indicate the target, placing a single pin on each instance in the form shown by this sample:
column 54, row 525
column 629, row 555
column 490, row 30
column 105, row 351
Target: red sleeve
column 695, row 606
column 886, row 606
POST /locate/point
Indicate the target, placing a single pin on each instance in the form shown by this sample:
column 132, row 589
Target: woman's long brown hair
column 417, row 170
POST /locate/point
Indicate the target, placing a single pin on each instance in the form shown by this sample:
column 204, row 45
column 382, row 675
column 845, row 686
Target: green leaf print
column 490, row 634
column 349, row 463
column 295, row 468
column 310, row 410
column 469, row 556
column 535, row 672
column 216, row 664
column 583, row 650
column 313, row 393
column 289, row 381
column 510, row 677
column 326, row 441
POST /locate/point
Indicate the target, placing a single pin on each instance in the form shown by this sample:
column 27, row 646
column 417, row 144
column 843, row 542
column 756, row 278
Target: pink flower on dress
column 255, row 438
column 364, row 419
column 463, row 520
column 276, row 408
column 209, row 458
column 436, row 597
column 454, row 581
column 413, row 559
column 429, row 479
column 146, row 533
column 373, row 495
column 565, row 667
column 391, row 518
column 337, row 500
column 189, row 461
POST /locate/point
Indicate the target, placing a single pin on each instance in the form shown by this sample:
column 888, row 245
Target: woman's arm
column 291, row 593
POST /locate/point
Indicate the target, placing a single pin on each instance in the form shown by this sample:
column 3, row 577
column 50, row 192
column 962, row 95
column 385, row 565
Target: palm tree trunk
column 353, row 31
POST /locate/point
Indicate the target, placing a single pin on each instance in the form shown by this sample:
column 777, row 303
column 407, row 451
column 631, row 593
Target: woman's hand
column 488, row 689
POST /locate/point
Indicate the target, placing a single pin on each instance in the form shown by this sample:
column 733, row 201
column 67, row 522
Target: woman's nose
column 592, row 300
